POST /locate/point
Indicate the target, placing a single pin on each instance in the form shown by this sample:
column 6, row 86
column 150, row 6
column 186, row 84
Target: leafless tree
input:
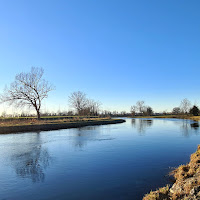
column 141, row 109
column 140, row 106
column 185, row 105
column 83, row 105
column 148, row 111
column 78, row 101
column 133, row 110
column 28, row 89
column 176, row 110
column 93, row 107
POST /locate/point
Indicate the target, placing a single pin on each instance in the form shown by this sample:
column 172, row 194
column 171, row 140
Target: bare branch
column 83, row 105
column 78, row 101
column 185, row 106
column 28, row 89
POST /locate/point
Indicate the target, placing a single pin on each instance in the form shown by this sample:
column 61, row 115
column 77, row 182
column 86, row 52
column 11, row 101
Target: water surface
column 111, row 162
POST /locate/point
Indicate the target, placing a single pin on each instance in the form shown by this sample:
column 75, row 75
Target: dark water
column 121, row 161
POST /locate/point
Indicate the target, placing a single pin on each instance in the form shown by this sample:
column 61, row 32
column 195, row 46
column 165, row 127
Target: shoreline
column 186, row 185
column 56, row 126
column 189, row 117
column 187, row 177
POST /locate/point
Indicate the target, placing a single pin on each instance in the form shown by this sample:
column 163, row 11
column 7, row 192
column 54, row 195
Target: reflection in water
column 81, row 136
column 84, row 134
column 31, row 160
column 87, row 128
column 187, row 127
column 127, row 165
column 195, row 125
column 141, row 124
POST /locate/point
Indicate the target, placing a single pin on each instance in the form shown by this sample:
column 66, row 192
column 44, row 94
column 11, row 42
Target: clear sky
column 116, row 51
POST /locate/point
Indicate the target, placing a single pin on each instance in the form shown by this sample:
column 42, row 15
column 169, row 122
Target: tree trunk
column 38, row 114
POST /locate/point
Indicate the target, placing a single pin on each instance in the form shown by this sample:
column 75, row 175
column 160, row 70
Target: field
column 15, row 125
column 46, row 120
column 191, row 117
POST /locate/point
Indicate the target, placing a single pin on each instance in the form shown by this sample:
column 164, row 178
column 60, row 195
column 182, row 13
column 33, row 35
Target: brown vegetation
column 15, row 126
column 187, row 184
column 53, row 120
column 191, row 117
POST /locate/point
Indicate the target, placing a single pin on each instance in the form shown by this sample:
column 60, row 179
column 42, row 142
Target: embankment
column 187, row 182
column 55, row 126
column 190, row 117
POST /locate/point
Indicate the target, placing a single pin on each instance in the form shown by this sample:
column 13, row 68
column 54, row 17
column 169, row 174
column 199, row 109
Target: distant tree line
column 186, row 108
column 140, row 109
column 83, row 105
column 30, row 89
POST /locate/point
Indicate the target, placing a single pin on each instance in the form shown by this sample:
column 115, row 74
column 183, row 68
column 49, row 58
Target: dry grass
column 158, row 116
column 195, row 118
column 191, row 117
column 187, row 180
column 186, row 171
column 33, row 121
column 161, row 193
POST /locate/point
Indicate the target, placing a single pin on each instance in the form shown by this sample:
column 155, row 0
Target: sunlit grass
column 191, row 117
column 187, row 179
column 47, row 120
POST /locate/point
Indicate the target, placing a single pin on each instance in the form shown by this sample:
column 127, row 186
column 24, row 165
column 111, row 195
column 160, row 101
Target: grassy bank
column 187, row 182
column 7, row 119
column 27, row 125
column 45, row 120
column 191, row 117
column 187, row 177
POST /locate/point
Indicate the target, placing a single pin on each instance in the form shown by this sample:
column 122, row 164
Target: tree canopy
column 28, row 89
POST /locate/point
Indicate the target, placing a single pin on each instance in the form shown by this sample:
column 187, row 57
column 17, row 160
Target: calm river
column 111, row 162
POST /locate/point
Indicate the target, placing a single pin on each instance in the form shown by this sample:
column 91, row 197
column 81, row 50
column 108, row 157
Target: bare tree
column 141, row 109
column 140, row 106
column 133, row 110
column 185, row 105
column 176, row 110
column 83, row 105
column 28, row 89
column 93, row 107
column 149, row 111
column 78, row 101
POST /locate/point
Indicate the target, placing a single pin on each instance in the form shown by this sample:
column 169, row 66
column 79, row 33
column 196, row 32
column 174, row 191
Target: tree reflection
column 31, row 160
column 195, row 125
column 187, row 127
column 81, row 136
column 133, row 123
column 84, row 134
column 141, row 124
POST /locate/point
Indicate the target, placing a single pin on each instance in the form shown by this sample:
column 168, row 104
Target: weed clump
column 187, row 182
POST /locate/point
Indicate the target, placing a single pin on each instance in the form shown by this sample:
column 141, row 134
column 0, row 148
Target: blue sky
column 115, row 51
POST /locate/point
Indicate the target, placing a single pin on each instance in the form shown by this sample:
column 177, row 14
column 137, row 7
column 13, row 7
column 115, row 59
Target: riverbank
column 191, row 117
column 47, row 125
column 187, row 182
